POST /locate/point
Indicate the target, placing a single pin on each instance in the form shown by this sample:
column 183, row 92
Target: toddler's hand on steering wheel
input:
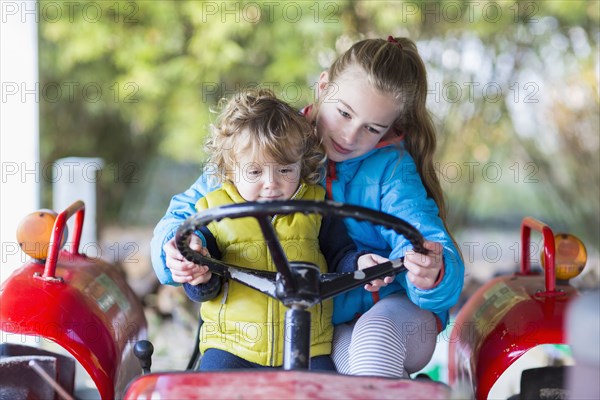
column 370, row 260
column 182, row 270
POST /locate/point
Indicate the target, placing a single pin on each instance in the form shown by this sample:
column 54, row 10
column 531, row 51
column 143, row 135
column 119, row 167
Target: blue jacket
column 384, row 179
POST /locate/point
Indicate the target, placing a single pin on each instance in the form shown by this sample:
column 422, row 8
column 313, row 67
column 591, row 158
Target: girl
column 380, row 142
column 263, row 150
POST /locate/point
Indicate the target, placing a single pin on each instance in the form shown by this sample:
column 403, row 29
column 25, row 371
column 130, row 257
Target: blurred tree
column 513, row 87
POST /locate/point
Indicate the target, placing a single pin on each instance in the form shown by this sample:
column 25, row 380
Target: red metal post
column 77, row 208
column 527, row 225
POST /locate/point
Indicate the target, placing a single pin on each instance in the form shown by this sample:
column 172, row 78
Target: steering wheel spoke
column 277, row 254
column 334, row 284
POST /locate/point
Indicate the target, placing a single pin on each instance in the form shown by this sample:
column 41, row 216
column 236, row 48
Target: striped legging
column 393, row 339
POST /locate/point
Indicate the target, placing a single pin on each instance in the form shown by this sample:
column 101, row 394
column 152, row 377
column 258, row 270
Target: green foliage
column 138, row 80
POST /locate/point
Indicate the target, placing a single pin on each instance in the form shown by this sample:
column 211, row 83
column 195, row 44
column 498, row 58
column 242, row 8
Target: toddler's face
column 260, row 179
column 353, row 116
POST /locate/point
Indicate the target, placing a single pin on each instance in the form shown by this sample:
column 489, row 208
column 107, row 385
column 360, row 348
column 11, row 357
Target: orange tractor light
column 571, row 256
column 34, row 233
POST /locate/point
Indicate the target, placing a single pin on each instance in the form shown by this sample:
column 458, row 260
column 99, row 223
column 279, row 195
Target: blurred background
column 513, row 88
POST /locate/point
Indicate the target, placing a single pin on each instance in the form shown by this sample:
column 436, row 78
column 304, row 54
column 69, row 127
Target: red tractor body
column 82, row 304
column 86, row 306
column 507, row 317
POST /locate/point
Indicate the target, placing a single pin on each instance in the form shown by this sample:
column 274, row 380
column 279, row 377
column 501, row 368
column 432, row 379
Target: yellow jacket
column 241, row 320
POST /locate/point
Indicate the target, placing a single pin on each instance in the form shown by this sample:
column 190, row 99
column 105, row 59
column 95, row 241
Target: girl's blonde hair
column 394, row 67
column 256, row 119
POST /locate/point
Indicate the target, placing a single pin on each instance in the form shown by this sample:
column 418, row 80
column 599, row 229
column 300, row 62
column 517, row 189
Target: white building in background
column 76, row 178
column 19, row 127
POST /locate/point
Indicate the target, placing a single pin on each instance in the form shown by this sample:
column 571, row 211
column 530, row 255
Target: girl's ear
column 323, row 83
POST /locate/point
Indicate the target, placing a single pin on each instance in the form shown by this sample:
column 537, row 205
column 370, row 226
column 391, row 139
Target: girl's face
column 259, row 179
column 353, row 116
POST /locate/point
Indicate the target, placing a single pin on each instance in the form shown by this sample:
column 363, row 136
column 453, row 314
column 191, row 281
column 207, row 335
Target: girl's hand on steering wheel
column 424, row 270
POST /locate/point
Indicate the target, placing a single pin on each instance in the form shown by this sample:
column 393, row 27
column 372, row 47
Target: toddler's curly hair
column 255, row 119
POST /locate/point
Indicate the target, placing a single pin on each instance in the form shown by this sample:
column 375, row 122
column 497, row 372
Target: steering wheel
column 285, row 285
column 298, row 285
